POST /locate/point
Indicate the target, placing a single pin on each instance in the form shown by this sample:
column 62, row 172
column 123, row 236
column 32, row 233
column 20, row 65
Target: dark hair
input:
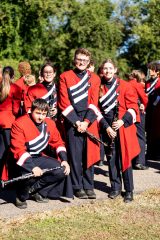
column 7, row 77
column 40, row 104
column 45, row 65
column 154, row 65
column 8, row 70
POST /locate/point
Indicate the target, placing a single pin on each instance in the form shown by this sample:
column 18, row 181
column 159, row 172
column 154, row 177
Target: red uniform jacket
column 70, row 79
column 38, row 91
column 141, row 95
column 128, row 138
column 20, row 82
column 24, row 90
column 27, row 141
column 9, row 108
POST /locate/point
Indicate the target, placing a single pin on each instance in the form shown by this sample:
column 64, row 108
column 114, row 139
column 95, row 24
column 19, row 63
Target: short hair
column 40, row 104
column 83, row 51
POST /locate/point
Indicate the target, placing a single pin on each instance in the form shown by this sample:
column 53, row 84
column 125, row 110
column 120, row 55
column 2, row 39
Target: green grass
column 100, row 220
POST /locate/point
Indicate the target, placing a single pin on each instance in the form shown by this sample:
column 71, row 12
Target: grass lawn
column 100, row 220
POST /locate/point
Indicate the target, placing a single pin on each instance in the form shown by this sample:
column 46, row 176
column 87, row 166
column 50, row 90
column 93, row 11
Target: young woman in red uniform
column 152, row 89
column 46, row 90
column 118, row 100
column 10, row 96
column 136, row 79
column 31, row 134
column 78, row 99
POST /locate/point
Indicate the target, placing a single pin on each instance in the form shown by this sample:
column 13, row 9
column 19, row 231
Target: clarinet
column 26, row 176
column 51, row 105
column 112, row 142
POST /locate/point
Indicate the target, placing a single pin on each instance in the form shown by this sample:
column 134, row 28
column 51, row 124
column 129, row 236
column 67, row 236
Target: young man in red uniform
column 78, row 99
column 118, row 104
column 31, row 134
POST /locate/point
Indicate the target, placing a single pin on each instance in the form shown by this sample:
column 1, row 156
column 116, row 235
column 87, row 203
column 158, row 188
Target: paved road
column 143, row 180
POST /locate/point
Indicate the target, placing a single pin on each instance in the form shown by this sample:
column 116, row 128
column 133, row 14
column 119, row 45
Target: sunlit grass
column 100, row 220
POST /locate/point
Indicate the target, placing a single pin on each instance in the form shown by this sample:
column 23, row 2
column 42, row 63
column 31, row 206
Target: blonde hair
column 29, row 80
column 7, row 77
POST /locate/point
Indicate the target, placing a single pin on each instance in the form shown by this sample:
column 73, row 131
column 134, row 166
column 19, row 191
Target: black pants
column 141, row 159
column 115, row 173
column 50, row 184
column 4, row 146
column 81, row 176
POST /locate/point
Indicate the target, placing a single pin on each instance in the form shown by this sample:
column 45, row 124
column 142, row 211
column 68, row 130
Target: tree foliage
column 35, row 30
column 141, row 30
column 54, row 29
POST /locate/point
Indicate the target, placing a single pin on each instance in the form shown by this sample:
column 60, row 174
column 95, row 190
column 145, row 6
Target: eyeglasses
column 49, row 73
column 82, row 60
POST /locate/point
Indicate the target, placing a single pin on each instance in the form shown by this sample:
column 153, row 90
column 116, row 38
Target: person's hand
column 142, row 108
column 37, row 171
column 66, row 167
column 111, row 133
column 83, row 127
column 117, row 124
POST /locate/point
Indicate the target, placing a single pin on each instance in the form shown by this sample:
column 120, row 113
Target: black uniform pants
column 53, row 178
column 4, row 146
column 141, row 159
column 115, row 173
column 81, row 177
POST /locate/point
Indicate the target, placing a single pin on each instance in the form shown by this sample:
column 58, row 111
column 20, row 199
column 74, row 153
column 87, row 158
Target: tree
column 47, row 29
column 141, row 32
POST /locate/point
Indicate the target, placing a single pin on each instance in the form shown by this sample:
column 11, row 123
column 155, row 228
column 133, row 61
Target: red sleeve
column 29, row 98
column 131, row 100
column 141, row 94
column 17, row 95
column 18, row 140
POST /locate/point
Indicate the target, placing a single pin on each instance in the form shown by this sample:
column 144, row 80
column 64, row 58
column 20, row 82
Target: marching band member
column 46, row 90
column 119, row 108
column 78, row 99
column 10, row 97
column 31, row 134
column 152, row 89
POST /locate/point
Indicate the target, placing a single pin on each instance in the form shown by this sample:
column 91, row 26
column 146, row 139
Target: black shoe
column 140, row 167
column 114, row 194
column 90, row 193
column 38, row 198
column 80, row 193
column 20, row 204
column 128, row 197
